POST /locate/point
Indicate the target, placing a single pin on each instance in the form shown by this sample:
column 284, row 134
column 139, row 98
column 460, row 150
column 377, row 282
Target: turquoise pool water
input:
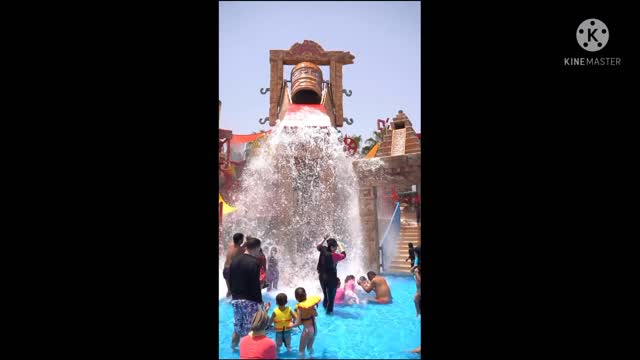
column 365, row 331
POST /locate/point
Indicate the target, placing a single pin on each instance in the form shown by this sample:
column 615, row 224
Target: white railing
column 393, row 230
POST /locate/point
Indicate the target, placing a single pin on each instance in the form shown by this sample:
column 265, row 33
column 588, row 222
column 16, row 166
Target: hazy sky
column 383, row 36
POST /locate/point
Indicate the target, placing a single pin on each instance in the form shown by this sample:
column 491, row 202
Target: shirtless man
column 233, row 249
column 379, row 285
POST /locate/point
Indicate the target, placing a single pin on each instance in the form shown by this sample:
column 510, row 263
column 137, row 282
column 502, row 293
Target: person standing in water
column 305, row 315
column 418, row 258
column 283, row 318
column 273, row 274
column 379, row 285
column 244, row 281
column 327, row 270
column 417, row 298
column 339, row 294
column 262, row 260
column 233, row 249
column 350, row 296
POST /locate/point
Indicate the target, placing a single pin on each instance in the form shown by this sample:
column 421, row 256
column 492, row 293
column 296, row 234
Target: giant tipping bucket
column 306, row 83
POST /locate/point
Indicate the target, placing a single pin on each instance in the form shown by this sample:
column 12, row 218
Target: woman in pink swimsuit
column 339, row 299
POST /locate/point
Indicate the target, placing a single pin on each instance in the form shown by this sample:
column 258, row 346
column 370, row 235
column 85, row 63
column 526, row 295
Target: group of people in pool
column 245, row 276
column 269, row 275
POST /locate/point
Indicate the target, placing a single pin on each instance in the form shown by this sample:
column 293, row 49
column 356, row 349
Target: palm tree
column 358, row 140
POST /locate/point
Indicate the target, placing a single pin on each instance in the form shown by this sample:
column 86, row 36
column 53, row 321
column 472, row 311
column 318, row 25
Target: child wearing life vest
column 305, row 315
column 282, row 317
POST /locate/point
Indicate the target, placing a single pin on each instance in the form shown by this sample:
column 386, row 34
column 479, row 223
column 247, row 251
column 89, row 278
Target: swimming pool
column 365, row 331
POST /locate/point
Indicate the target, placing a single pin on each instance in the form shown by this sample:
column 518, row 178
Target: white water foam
column 298, row 186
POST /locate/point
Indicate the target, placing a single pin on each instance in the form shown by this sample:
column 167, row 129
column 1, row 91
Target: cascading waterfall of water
column 298, row 186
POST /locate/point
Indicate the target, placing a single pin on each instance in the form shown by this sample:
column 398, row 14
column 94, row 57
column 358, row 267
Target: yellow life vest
column 282, row 318
column 310, row 302
column 304, row 309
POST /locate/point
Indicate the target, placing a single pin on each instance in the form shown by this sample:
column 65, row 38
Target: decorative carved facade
column 401, row 139
column 400, row 167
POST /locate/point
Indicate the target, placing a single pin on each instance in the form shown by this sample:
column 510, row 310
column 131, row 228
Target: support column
column 286, row 192
column 275, row 86
column 336, row 85
column 369, row 221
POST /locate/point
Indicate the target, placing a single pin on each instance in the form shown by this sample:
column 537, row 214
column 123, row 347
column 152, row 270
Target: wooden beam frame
column 307, row 51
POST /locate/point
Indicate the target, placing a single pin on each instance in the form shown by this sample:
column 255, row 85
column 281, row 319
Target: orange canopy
column 242, row 139
column 373, row 151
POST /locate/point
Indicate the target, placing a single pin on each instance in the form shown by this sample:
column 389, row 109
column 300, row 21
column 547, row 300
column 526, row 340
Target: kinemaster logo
column 592, row 36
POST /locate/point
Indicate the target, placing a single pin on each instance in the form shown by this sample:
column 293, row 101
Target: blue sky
column 384, row 37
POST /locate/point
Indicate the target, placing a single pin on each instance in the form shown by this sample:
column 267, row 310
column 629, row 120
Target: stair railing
column 394, row 223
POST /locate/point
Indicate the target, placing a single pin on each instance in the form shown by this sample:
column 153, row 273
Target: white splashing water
column 298, row 186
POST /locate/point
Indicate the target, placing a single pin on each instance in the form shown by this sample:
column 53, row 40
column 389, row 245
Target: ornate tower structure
column 307, row 56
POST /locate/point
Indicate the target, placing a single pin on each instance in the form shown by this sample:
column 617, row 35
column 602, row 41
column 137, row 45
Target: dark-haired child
column 262, row 261
column 412, row 255
column 350, row 296
column 273, row 274
column 282, row 316
column 305, row 315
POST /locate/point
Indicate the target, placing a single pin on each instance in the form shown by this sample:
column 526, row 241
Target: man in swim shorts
column 378, row 284
column 244, row 281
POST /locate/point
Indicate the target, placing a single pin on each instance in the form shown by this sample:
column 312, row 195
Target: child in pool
column 418, row 296
column 339, row 299
column 306, row 317
column 273, row 274
column 350, row 296
column 262, row 261
column 282, row 316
